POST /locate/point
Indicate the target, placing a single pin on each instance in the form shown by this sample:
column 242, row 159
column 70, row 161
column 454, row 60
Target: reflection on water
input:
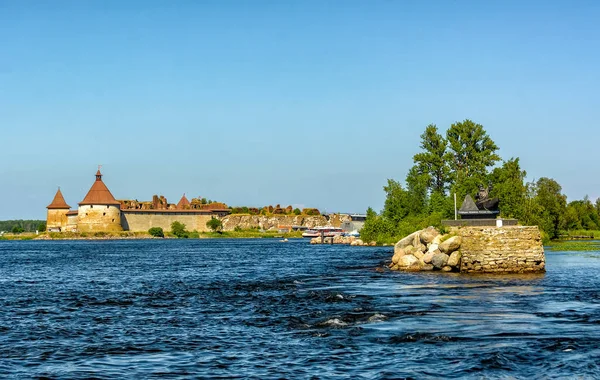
column 263, row 309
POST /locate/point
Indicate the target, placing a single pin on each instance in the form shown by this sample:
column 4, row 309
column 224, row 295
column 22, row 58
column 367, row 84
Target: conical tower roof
column 99, row 194
column 58, row 202
column 183, row 202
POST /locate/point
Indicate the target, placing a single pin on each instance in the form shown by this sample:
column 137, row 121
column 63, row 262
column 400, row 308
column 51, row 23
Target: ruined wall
column 143, row 221
column 96, row 218
column 506, row 249
column 56, row 218
column 271, row 222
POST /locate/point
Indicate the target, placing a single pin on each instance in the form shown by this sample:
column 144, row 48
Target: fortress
column 99, row 211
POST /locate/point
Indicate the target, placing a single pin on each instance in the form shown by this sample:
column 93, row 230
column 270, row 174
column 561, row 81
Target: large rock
column 418, row 254
column 451, row 245
column 398, row 255
column 428, row 234
column 409, row 240
column 433, row 247
column 427, row 257
column 437, row 240
column 409, row 262
column 454, row 259
column 439, row 260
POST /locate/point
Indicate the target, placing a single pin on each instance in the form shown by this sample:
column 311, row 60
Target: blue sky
column 311, row 103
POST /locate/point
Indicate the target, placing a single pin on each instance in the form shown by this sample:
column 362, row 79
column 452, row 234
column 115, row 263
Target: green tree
column 178, row 229
column 471, row 153
column 553, row 206
column 17, row 230
column 509, row 186
column 41, row 227
column 396, row 206
column 297, row 211
column 433, row 160
column 214, row 224
column 157, row 232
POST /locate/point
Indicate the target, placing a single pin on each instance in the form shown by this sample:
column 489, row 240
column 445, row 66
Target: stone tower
column 99, row 211
column 56, row 219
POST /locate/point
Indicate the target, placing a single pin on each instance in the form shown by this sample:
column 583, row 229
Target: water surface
column 265, row 309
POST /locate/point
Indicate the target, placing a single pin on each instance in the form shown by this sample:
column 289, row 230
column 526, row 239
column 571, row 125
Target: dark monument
column 480, row 212
column 484, row 208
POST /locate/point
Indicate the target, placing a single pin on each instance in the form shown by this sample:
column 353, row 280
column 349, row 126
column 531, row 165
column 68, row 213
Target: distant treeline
column 459, row 162
column 18, row 226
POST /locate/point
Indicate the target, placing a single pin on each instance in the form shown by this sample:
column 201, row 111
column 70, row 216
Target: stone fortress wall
column 143, row 221
column 93, row 218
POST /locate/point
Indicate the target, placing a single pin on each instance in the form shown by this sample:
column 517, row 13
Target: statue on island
column 483, row 200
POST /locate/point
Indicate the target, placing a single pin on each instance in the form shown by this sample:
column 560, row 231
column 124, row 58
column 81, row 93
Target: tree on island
column 214, row 224
column 458, row 164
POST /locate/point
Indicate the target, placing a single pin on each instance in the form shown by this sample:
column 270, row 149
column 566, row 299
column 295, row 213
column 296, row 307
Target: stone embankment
column 267, row 223
column 514, row 249
column 347, row 240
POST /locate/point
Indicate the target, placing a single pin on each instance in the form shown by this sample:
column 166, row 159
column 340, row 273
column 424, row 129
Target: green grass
column 573, row 246
column 594, row 233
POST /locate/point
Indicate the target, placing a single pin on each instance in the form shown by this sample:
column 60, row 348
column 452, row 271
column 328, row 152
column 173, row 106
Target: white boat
column 326, row 231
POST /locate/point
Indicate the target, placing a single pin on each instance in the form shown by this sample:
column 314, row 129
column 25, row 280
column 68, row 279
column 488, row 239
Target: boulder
column 451, row 245
column 437, row 240
column 439, row 260
column 422, row 248
column 409, row 262
column 418, row 254
column 373, row 244
column 428, row 234
column 409, row 249
column 397, row 255
column 433, row 247
column 427, row 257
column 358, row 242
column 447, row 269
column 405, row 242
column 454, row 259
column 426, row 267
column 338, row 239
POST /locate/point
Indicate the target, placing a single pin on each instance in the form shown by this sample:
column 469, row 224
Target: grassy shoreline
column 245, row 234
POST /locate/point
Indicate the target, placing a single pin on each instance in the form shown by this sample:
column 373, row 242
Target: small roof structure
column 58, row 203
column 99, row 194
column 183, row 202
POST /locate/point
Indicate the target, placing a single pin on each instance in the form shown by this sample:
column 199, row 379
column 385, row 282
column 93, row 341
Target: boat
column 325, row 231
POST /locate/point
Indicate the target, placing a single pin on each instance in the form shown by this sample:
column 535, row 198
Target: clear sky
column 312, row 103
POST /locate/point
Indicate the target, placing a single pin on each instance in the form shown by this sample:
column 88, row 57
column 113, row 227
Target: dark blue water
column 265, row 309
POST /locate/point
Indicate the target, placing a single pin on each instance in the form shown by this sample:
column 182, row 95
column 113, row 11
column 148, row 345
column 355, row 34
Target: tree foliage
column 214, row 224
column 462, row 161
column 178, row 229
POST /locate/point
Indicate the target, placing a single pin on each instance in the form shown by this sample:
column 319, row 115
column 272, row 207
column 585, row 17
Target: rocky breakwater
column 427, row 250
column 514, row 249
column 338, row 239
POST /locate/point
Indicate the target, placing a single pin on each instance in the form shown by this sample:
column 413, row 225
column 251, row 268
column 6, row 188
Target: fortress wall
column 506, row 249
column 95, row 218
column 143, row 221
column 56, row 218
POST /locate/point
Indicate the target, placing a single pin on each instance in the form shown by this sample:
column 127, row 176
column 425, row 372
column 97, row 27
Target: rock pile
column 338, row 239
column 426, row 250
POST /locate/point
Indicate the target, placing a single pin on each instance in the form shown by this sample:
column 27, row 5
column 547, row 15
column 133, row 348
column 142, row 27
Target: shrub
column 178, row 229
column 297, row 211
column 157, row 232
column 17, row 230
column 237, row 229
column 214, row 224
column 194, row 235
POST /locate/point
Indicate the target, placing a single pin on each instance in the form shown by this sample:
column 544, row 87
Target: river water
column 265, row 309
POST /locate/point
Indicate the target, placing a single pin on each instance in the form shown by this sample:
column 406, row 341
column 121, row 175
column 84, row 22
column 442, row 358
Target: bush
column 178, row 229
column 237, row 229
column 194, row 235
column 157, row 232
column 214, row 224
column 17, row 230
column 297, row 211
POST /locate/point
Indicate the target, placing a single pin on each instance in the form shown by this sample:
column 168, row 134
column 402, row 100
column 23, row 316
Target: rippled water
column 265, row 309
